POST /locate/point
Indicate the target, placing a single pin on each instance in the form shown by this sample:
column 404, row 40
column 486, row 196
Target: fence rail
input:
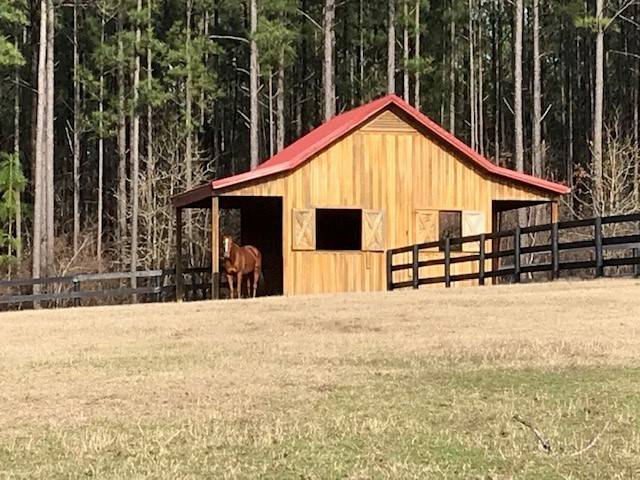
column 148, row 285
column 596, row 243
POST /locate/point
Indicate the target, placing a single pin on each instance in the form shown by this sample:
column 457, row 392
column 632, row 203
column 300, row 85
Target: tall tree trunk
column 253, row 89
column 189, row 122
column 17, row 151
column 188, row 101
column 480, row 103
column 452, row 74
column 280, row 106
column 135, row 149
column 636, row 132
column 391, row 48
column 50, row 141
column 598, row 105
column 416, row 85
column 35, row 59
column 361, row 48
column 570, row 133
column 151, row 169
column 76, row 133
column 405, row 52
column 40, row 152
column 496, row 59
column 472, row 82
column 100, row 151
column 272, row 130
column 537, row 166
column 517, row 93
column 122, row 147
column 328, row 85
column 517, row 87
column 205, row 33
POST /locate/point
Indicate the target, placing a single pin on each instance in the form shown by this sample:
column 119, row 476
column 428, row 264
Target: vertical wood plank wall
column 385, row 165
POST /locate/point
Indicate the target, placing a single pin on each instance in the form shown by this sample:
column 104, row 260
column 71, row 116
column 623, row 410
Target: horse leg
column 256, row 279
column 230, row 281
column 248, row 285
column 239, row 284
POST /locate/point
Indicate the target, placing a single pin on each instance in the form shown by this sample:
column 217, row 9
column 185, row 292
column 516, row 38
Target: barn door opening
column 257, row 221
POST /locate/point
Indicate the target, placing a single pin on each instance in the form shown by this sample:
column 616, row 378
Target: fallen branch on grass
column 545, row 446
column 591, row 443
column 543, row 443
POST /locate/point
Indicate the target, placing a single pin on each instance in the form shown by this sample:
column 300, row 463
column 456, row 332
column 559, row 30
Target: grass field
column 400, row 385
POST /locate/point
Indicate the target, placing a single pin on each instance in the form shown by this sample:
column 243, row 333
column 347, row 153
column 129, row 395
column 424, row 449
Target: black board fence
column 98, row 288
column 508, row 263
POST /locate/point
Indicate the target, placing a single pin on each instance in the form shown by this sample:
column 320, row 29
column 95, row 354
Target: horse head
column 227, row 244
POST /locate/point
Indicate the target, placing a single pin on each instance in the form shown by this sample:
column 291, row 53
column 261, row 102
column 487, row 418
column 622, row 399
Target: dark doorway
column 260, row 225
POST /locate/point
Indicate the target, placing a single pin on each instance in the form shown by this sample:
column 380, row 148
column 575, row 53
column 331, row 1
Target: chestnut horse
column 240, row 261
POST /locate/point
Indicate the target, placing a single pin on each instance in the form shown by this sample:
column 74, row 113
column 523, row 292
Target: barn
column 324, row 210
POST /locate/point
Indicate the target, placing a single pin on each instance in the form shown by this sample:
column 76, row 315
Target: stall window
column 338, row 229
column 450, row 226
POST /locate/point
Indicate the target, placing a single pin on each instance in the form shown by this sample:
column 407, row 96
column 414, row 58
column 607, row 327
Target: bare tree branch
column 229, row 37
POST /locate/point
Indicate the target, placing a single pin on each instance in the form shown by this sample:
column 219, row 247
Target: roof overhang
column 198, row 197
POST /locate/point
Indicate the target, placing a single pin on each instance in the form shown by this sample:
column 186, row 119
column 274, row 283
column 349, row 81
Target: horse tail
column 261, row 278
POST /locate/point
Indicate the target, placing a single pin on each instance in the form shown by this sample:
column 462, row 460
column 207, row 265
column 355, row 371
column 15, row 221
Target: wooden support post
column 415, row 266
column 516, row 255
column 447, row 262
column 76, row 289
column 598, row 246
column 389, row 270
column 554, row 213
column 215, row 248
column 481, row 259
column 179, row 276
column 495, row 244
column 555, row 252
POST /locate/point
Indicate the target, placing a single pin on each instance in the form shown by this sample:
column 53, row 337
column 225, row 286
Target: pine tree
column 12, row 184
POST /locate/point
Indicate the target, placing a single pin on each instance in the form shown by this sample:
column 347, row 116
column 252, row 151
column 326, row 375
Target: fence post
column 555, row 257
column 598, row 246
column 389, row 270
column 76, row 289
column 415, row 258
column 447, row 262
column 636, row 253
column 157, row 281
column 481, row 260
column 516, row 255
column 193, row 295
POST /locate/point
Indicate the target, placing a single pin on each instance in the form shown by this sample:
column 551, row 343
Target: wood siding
column 387, row 166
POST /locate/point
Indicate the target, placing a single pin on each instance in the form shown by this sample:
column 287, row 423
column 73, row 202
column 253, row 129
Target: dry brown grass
column 404, row 384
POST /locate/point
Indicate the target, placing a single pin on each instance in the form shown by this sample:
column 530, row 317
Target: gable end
column 388, row 121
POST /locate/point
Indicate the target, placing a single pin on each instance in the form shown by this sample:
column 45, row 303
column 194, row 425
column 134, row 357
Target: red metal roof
column 336, row 128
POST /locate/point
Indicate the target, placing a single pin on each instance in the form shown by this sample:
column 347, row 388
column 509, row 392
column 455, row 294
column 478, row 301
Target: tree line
column 110, row 107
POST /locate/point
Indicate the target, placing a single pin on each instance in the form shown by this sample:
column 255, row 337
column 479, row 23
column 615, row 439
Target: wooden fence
column 103, row 288
column 508, row 263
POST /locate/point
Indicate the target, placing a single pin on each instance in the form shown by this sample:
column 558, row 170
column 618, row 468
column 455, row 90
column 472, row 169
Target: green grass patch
column 403, row 424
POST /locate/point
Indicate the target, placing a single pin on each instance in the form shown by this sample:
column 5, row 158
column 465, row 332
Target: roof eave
column 193, row 196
